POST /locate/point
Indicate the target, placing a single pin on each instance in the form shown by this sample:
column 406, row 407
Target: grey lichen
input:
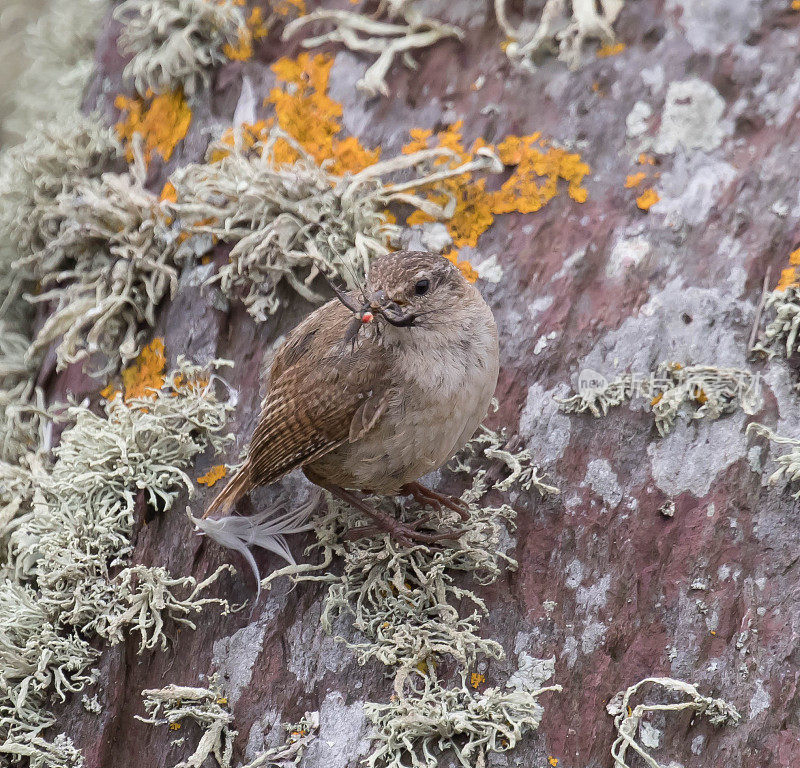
column 58, row 50
column 697, row 391
column 410, row 612
column 67, row 576
column 176, row 43
column 520, row 462
column 425, row 720
column 563, row 27
column 295, row 222
column 207, row 707
column 788, row 463
column 298, row 736
column 105, row 268
column 404, row 29
column 627, row 721
column 780, row 334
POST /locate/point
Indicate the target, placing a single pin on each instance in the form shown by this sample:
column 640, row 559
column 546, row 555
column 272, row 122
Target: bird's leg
column 405, row 533
column 427, row 496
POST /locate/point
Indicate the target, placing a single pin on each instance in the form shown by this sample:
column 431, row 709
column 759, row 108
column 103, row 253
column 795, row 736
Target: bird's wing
column 322, row 393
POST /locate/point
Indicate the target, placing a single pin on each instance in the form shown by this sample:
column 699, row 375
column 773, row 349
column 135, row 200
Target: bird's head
column 414, row 289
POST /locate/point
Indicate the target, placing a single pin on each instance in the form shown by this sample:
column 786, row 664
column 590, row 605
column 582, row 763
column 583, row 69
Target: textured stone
column 605, row 581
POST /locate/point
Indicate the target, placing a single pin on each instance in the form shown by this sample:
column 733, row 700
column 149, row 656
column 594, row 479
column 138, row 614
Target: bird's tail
column 237, row 487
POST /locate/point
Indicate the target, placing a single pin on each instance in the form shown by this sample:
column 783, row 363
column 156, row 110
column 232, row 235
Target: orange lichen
column 243, row 50
column 657, row 399
column 213, row 475
column 532, row 184
column 647, row 199
column 256, row 24
column 168, row 193
column 796, row 5
column 285, row 7
column 162, row 121
column 147, row 372
column 644, row 159
column 476, row 679
column 464, row 266
column 553, row 761
column 610, row 49
column 109, row 392
column 635, row 179
column 789, row 275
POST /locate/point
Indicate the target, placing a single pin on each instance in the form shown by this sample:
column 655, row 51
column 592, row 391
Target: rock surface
column 606, row 584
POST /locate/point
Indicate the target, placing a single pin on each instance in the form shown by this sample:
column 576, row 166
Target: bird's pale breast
column 443, row 390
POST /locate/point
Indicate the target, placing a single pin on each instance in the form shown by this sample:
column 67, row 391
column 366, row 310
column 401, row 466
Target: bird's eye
column 421, row 287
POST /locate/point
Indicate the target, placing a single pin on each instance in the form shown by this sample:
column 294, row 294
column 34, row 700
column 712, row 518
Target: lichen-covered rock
column 698, row 106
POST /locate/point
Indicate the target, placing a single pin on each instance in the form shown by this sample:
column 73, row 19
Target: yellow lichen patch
column 213, row 475
column 464, row 266
column 644, row 159
column 147, row 371
column 610, row 49
column 553, row 761
column 168, row 193
column 162, row 121
column 796, row 5
column 109, row 392
column 305, row 111
column 476, row 678
column 285, row 7
column 789, row 275
column 647, row 199
column 243, row 50
column 256, row 24
column 635, row 179
column 533, row 183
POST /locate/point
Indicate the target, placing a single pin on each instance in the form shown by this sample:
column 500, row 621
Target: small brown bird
column 376, row 389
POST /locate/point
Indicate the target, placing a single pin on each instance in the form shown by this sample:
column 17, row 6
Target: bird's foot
column 404, row 533
column 428, row 497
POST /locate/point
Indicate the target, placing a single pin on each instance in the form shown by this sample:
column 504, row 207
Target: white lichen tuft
column 205, row 706
column 298, row 736
column 788, row 463
column 404, row 29
column 696, row 391
column 67, row 578
column 176, row 43
column 627, row 720
column 427, row 719
column 105, row 270
column 563, row 27
column 520, row 463
column 292, row 223
column 780, row 335
column 58, row 54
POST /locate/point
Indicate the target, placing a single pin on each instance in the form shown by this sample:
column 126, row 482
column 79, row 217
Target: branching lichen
column 293, row 223
column 699, row 391
column 298, row 737
column 495, row 446
column 68, row 579
column 781, row 334
column 789, row 463
column 425, row 719
column 59, row 48
column 205, row 706
column 403, row 30
column 627, row 720
column 176, row 43
column 105, row 270
column 564, row 26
